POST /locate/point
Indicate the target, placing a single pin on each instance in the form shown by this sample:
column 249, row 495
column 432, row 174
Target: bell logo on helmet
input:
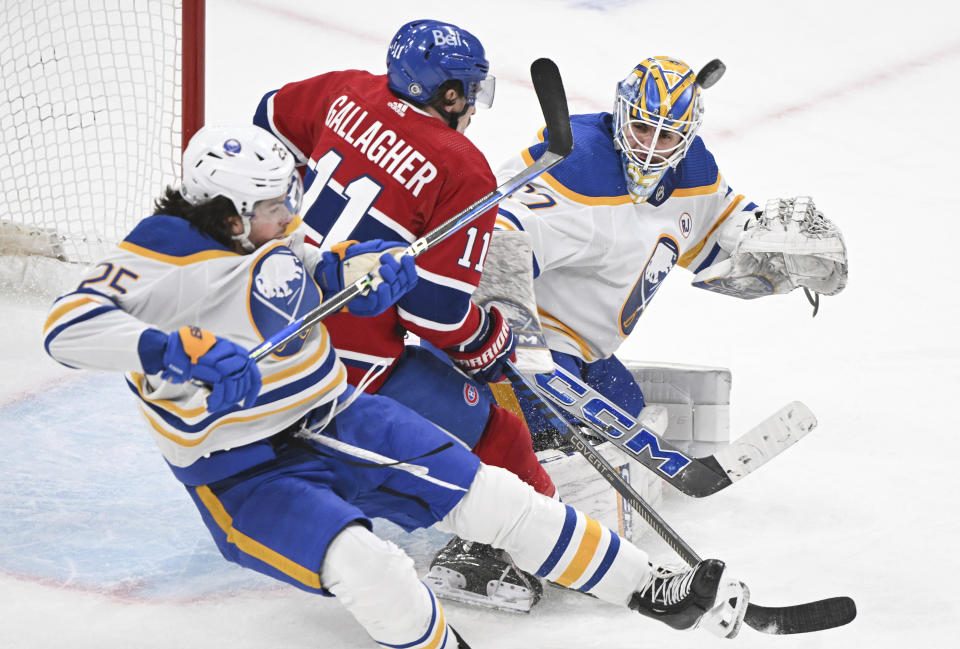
column 453, row 38
column 232, row 147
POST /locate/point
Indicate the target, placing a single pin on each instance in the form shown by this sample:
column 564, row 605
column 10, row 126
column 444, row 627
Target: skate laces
column 519, row 575
column 667, row 586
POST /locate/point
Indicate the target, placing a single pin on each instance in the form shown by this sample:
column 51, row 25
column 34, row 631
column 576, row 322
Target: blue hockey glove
column 485, row 356
column 349, row 261
column 191, row 353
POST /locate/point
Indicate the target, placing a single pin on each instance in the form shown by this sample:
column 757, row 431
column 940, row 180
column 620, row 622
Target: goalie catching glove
column 194, row 354
column 393, row 273
column 789, row 244
column 484, row 356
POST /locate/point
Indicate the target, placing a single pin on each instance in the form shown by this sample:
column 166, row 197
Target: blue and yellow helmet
column 657, row 112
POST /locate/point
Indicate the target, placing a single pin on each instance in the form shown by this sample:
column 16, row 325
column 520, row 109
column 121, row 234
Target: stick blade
column 802, row 618
column 766, row 440
column 553, row 102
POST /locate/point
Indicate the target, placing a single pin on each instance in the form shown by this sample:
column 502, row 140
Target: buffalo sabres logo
column 280, row 276
column 232, row 147
column 664, row 258
column 282, row 291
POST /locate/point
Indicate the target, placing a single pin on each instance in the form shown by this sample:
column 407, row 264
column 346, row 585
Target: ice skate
column 476, row 573
column 698, row 597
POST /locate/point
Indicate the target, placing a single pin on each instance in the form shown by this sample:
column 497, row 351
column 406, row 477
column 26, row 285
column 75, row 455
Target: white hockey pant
column 376, row 581
column 548, row 538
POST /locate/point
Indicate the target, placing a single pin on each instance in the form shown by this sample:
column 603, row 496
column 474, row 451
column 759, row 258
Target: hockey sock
column 548, row 538
column 506, row 443
column 377, row 582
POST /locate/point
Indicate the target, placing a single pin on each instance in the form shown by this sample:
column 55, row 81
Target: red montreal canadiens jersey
column 379, row 168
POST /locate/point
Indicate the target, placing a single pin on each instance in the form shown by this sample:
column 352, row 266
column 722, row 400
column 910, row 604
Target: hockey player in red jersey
column 384, row 157
column 285, row 462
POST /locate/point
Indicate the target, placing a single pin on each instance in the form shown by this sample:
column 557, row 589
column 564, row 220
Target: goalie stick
column 780, row 620
column 553, row 102
column 693, row 476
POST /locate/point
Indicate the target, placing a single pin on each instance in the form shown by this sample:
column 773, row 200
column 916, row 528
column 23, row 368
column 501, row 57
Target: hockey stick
column 553, row 102
column 781, row 620
column 694, row 476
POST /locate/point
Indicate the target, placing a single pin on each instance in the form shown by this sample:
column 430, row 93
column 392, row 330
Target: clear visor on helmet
column 480, row 93
column 650, row 140
column 294, row 194
column 284, row 206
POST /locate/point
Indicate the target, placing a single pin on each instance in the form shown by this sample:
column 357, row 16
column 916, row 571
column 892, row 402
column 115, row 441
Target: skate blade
column 726, row 618
column 499, row 600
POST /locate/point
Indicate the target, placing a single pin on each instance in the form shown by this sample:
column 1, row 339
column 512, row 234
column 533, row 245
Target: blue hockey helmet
column 657, row 112
column 426, row 53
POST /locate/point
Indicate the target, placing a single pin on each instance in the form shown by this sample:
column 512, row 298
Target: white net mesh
column 90, row 111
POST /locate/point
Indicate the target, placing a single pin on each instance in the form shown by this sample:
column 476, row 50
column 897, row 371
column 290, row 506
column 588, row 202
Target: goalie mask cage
column 99, row 97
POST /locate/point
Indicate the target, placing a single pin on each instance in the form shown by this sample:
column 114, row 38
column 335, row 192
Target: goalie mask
column 657, row 112
column 245, row 164
column 426, row 53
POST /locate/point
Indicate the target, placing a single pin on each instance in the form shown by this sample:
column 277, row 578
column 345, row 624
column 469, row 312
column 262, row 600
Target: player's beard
column 460, row 120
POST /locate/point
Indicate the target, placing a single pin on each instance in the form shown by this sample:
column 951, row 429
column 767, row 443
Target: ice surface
column 850, row 102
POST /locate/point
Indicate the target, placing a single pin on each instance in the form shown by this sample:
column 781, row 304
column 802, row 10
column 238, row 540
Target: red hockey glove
column 483, row 357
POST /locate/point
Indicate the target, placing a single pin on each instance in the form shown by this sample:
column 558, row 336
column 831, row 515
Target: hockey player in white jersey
column 640, row 195
column 285, row 462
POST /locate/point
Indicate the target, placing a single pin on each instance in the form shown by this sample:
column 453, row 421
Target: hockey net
column 97, row 98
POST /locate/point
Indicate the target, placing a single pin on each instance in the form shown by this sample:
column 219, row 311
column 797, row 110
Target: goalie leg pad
column 584, row 488
column 547, row 538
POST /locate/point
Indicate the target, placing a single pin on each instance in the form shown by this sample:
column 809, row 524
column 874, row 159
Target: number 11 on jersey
column 338, row 209
column 466, row 259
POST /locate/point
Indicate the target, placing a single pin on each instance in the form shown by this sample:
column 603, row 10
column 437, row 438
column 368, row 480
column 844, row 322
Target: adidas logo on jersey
column 398, row 107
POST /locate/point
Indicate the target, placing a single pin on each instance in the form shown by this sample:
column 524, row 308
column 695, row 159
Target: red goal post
column 98, row 99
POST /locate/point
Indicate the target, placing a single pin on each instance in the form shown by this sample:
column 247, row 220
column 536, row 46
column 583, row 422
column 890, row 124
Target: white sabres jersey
column 167, row 275
column 599, row 258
